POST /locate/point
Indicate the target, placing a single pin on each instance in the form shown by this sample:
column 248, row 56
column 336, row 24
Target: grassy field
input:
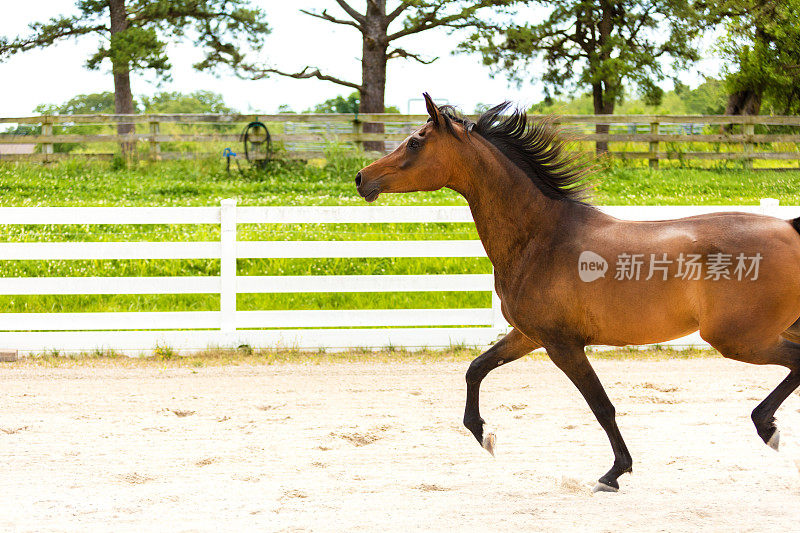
column 182, row 183
column 205, row 183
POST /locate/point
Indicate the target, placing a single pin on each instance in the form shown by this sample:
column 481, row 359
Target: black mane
column 536, row 148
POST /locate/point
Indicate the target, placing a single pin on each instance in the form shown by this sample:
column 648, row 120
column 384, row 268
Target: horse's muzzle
column 367, row 191
column 370, row 194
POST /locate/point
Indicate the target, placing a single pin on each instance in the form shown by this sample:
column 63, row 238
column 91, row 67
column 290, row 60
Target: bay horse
column 548, row 248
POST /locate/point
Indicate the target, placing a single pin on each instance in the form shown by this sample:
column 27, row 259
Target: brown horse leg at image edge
column 509, row 348
column 785, row 353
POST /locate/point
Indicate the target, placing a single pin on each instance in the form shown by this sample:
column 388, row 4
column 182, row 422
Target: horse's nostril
column 358, row 179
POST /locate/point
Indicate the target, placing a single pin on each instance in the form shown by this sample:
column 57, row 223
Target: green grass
column 621, row 185
column 189, row 183
column 205, row 183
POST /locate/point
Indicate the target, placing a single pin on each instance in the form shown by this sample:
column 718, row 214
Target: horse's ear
column 433, row 111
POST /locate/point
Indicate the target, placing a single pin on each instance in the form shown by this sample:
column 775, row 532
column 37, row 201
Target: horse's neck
column 510, row 212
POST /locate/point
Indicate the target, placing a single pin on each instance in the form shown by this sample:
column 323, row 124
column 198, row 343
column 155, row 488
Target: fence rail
column 140, row 332
column 304, row 135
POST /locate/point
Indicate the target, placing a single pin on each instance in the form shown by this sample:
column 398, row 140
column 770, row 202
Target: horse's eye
column 414, row 144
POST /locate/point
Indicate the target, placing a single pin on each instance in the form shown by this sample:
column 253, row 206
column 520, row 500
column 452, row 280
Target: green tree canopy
column 161, row 102
column 82, row 104
column 601, row 46
column 709, row 98
column 176, row 102
column 762, row 48
column 340, row 104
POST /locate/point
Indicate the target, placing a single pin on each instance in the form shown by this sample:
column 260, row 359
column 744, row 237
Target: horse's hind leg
column 571, row 359
column 785, row 353
column 764, row 414
column 509, row 348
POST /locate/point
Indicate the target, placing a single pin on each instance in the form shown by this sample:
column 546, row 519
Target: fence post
column 155, row 145
column 749, row 147
column 654, row 147
column 768, row 206
column 227, row 266
column 358, row 130
column 498, row 320
column 47, row 130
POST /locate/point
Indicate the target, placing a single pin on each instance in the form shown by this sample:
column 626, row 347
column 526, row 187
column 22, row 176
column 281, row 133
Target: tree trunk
column 603, row 105
column 744, row 102
column 373, row 69
column 123, row 97
column 603, row 95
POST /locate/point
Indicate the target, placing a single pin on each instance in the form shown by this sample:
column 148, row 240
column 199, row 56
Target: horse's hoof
column 775, row 440
column 602, row 487
column 488, row 443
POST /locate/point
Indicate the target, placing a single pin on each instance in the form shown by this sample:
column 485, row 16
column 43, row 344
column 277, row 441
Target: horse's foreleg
column 571, row 359
column 509, row 348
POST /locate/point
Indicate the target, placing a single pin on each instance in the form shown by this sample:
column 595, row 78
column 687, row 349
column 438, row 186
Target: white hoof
column 775, row 440
column 602, row 487
column 488, row 443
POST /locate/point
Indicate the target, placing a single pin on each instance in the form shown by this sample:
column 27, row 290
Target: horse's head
column 423, row 162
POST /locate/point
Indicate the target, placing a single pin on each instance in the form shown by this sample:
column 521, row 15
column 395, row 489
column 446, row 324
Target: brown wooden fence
column 304, row 136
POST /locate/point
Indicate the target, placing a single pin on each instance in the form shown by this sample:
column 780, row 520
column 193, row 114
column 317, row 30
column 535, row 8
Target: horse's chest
column 518, row 302
column 529, row 304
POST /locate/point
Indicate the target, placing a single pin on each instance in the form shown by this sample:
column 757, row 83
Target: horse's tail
column 796, row 224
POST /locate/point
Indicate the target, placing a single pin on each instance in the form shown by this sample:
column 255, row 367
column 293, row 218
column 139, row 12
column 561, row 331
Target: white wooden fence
column 140, row 332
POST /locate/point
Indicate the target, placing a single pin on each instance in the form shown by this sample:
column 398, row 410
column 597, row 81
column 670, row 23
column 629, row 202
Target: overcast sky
column 55, row 74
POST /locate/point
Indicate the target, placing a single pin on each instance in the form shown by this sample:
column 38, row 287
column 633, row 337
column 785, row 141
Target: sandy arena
column 380, row 447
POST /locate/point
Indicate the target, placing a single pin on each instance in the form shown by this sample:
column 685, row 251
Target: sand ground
column 380, row 447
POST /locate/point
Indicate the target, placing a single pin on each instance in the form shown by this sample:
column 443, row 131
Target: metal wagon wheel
column 257, row 144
